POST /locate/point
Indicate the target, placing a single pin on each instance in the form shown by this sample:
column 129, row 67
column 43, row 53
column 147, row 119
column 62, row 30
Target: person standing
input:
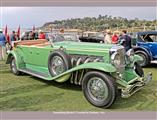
column 41, row 35
column 8, row 43
column 2, row 45
column 125, row 40
column 61, row 31
column 13, row 38
column 115, row 38
column 31, row 35
column 107, row 38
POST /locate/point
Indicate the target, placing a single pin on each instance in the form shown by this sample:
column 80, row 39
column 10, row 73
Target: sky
column 26, row 17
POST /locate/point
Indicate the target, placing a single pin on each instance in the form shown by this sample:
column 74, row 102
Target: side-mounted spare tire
column 58, row 62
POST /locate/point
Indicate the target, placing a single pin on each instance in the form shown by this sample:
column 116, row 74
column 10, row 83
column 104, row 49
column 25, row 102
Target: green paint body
column 36, row 58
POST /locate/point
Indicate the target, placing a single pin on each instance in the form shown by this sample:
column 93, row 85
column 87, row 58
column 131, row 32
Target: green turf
column 27, row 93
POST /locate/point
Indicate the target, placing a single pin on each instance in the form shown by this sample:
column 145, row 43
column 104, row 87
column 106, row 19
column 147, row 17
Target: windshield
column 62, row 37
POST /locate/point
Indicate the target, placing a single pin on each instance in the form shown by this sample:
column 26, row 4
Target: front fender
column 104, row 67
column 17, row 58
column 137, row 58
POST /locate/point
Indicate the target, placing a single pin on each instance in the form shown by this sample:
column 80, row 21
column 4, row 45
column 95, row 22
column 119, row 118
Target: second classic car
column 94, row 37
column 100, row 69
column 146, row 47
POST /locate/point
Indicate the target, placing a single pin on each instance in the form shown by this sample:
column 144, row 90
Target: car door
column 40, row 57
column 29, row 54
column 153, row 48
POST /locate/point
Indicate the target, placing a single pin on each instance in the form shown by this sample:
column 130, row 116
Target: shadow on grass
column 153, row 65
column 120, row 103
column 132, row 101
column 65, row 85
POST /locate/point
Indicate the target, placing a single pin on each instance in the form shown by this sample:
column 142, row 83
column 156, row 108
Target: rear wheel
column 145, row 58
column 13, row 66
column 99, row 89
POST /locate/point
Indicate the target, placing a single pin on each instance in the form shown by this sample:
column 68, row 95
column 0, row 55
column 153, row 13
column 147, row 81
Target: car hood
column 84, row 48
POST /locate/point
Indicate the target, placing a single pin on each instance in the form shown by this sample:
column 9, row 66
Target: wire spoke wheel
column 97, row 89
column 57, row 65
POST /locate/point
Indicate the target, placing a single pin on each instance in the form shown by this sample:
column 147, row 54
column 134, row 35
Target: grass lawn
column 27, row 93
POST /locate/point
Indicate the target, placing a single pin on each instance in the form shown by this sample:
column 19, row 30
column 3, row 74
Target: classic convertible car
column 100, row 69
column 146, row 47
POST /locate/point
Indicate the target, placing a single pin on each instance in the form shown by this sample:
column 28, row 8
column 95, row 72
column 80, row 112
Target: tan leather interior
column 38, row 42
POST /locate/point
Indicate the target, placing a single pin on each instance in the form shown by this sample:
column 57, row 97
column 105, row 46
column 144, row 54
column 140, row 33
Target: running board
column 35, row 73
column 155, row 61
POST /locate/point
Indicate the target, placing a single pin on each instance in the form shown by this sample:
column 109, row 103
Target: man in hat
column 61, row 30
column 2, row 45
column 107, row 39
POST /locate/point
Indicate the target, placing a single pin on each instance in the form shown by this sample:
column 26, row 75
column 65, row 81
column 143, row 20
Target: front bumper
column 135, row 86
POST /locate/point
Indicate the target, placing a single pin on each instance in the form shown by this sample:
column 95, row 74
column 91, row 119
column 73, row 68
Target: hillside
column 102, row 22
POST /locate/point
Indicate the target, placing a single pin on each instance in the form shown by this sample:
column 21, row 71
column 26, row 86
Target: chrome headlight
column 115, row 59
column 130, row 55
column 117, row 54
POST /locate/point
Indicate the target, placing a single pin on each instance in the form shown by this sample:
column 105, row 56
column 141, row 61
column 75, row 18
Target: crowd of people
column 32, row 35
column 118, row 38
column 6, row 41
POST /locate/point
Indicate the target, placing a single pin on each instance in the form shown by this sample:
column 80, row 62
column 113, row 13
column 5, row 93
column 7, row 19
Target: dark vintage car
column 94, row 37
column 146, row 47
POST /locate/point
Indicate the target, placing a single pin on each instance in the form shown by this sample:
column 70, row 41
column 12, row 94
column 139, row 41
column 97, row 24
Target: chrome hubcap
column 97, row 89
column 57, row 65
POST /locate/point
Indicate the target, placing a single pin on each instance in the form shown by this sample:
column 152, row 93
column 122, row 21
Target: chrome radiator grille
column 118, row 53
column 122, row 53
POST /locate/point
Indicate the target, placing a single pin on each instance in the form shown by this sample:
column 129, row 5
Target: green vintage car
column 102, row 70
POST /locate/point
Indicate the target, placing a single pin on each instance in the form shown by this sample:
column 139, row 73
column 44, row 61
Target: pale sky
column 26, row 17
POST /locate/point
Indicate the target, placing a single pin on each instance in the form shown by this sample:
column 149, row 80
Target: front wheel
column 99, row 89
